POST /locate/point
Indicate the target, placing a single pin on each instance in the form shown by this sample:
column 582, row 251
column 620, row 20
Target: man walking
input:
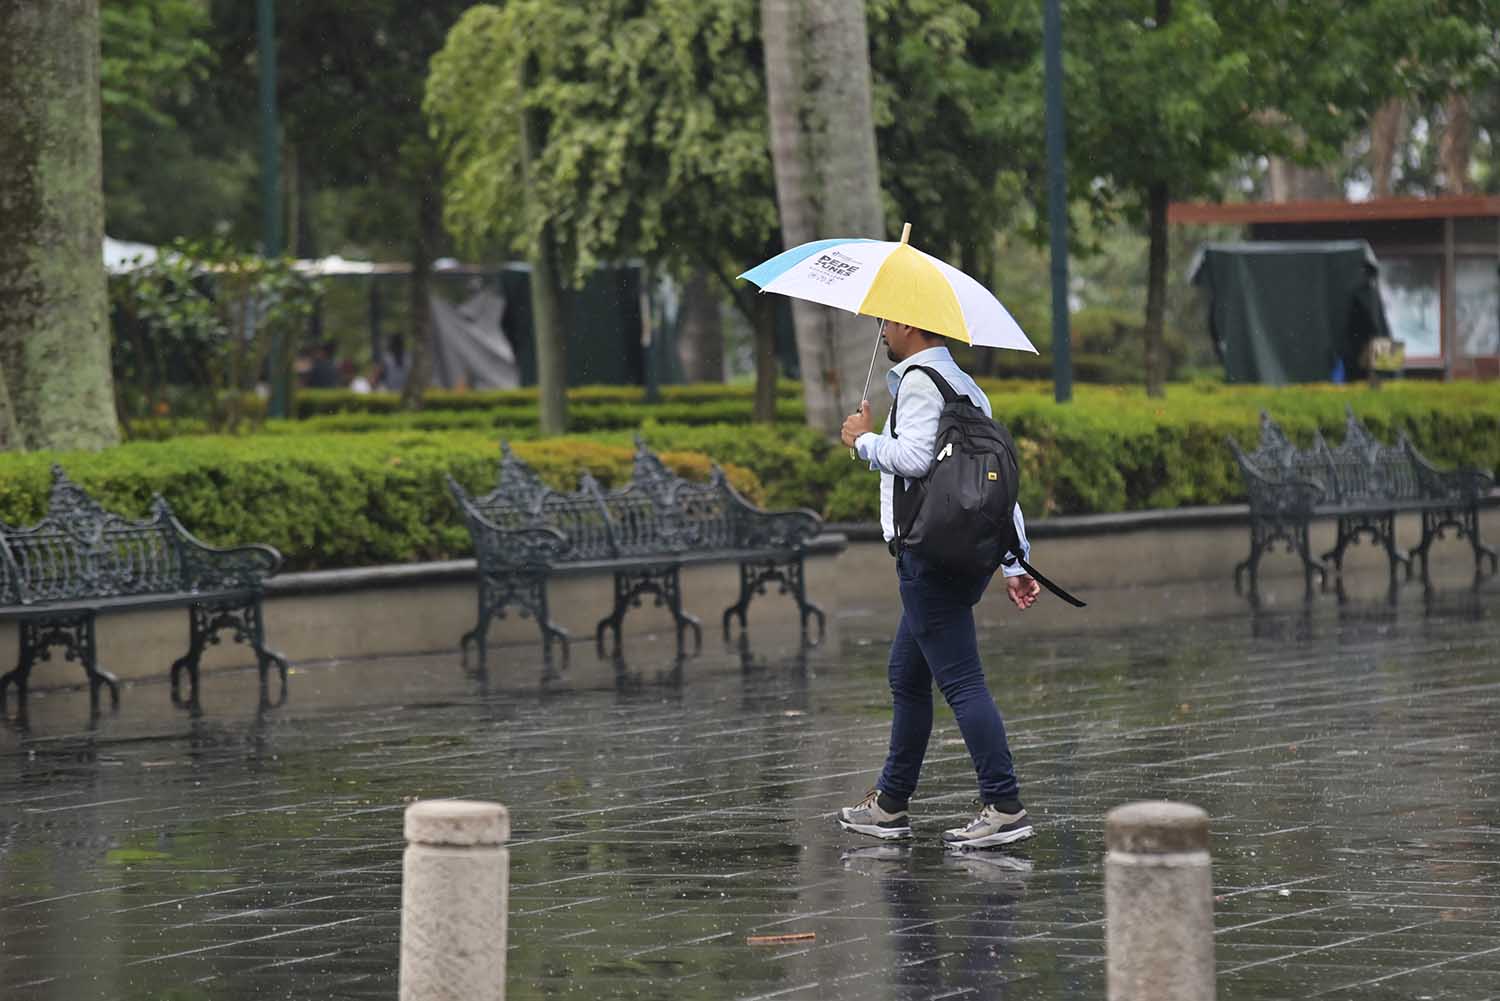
column 935, row 639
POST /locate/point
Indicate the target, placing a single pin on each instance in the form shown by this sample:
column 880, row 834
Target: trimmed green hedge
column 327, row 498
column 317, row 402
column 1113, row 449
column 323, row 500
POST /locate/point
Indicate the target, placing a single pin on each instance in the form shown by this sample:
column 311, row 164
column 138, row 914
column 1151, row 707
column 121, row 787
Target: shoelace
column 978, row 820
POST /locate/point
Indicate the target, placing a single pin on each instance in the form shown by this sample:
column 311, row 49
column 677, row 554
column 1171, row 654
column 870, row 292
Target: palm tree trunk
column 1456, row 144
column 1387, row 129
column 54, row 312
column 766, row 368
column 700, row 333
column 822, row 127
column 426, row 233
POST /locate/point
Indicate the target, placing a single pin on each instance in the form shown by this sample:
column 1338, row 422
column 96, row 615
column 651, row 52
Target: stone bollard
column 454, row 895
column 1158, row 903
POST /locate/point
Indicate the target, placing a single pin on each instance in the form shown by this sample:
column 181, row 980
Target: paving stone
column 663, row 810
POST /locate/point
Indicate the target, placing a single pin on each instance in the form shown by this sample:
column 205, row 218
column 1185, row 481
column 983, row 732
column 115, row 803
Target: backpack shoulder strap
column 947, row 391
column 937, row 380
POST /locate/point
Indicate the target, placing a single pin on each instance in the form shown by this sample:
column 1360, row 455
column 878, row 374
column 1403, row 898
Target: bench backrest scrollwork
column 80, row 550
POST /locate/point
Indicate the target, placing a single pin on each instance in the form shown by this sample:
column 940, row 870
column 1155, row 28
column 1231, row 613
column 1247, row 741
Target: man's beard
column 890, row 353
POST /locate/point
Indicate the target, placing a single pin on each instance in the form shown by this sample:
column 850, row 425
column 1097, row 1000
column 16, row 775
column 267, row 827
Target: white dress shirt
column 910, row 455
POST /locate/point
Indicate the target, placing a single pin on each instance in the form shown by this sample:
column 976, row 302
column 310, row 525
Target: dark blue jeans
column 935, row 641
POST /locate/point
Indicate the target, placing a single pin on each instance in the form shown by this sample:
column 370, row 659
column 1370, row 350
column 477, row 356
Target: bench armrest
column 1462, row 485
column 1269, row 495
column 770, row 529
column 211, row 568
column 497, row 548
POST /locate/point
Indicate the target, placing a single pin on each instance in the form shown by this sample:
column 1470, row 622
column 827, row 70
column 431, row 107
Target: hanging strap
column 1041, row 579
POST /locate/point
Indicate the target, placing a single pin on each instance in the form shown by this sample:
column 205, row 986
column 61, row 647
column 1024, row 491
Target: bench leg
column 1396, row 557
column 476, row 635
column 682, row 619
column 206, row 619
column 21, row 675
column 98, row 677
column 1309, row 565
column 1480, row 549
column 631, row 586
column 265, row 657
column 528, row 592
column 197, row 633
column 1251, row 563
column 1465, row 524
column 1431, row 529
column 75, row 634
column 757, row 575
column 1336, row 554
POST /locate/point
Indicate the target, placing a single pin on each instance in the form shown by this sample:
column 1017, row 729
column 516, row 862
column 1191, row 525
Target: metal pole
column 270, row 181
column 1057, row 203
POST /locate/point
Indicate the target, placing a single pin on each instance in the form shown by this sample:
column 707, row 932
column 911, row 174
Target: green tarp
column 1293, row 311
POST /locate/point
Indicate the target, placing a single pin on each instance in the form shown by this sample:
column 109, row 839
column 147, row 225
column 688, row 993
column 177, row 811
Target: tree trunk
column 827, row 176
column 10, row 434
column 1292, row 182
column 428, row 231
column 546, row 302
column 1456, row 144
column 551, row 338
column 54, row 312
column 763, row 310
column 700, row 332
column 1387, row 129
column 1156, row 293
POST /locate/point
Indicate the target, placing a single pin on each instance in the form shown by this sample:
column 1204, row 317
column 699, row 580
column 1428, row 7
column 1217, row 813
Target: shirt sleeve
column 919, row 411
column 1015, row 569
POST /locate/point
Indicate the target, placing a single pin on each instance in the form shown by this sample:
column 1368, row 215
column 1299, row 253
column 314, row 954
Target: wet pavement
column 663, row 811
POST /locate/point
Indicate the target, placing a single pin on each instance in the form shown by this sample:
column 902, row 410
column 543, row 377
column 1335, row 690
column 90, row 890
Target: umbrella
column 892, row 281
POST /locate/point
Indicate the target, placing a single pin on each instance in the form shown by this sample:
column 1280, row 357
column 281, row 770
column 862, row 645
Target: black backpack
column 961, row 515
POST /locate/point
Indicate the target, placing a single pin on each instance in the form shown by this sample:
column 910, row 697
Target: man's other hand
column 857, row 424
column 1023, row 590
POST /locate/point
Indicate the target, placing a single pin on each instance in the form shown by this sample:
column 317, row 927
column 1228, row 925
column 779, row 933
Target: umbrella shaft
column 873, row 355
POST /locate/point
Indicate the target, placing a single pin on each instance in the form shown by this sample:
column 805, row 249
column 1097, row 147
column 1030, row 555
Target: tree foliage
column 204, row 315
column 1164, row 97
column 654, row 123
column 649, row 137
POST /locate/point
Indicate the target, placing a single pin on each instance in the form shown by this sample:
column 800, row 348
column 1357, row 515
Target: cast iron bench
column 1363, row 483
column 80, row 560
column 524, row 532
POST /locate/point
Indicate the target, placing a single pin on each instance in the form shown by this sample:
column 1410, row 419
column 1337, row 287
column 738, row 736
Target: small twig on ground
column 800, row 936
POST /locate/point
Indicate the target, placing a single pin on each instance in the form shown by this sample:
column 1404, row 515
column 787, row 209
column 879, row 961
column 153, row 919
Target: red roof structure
column 1374, row 210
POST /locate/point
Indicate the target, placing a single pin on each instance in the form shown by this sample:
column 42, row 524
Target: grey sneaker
column 990, row 828
column 867, row 817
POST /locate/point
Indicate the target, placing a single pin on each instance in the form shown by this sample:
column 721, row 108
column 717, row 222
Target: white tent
column 121, row 256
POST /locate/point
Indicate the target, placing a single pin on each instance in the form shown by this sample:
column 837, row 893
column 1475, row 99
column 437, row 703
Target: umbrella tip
column 905, row 231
